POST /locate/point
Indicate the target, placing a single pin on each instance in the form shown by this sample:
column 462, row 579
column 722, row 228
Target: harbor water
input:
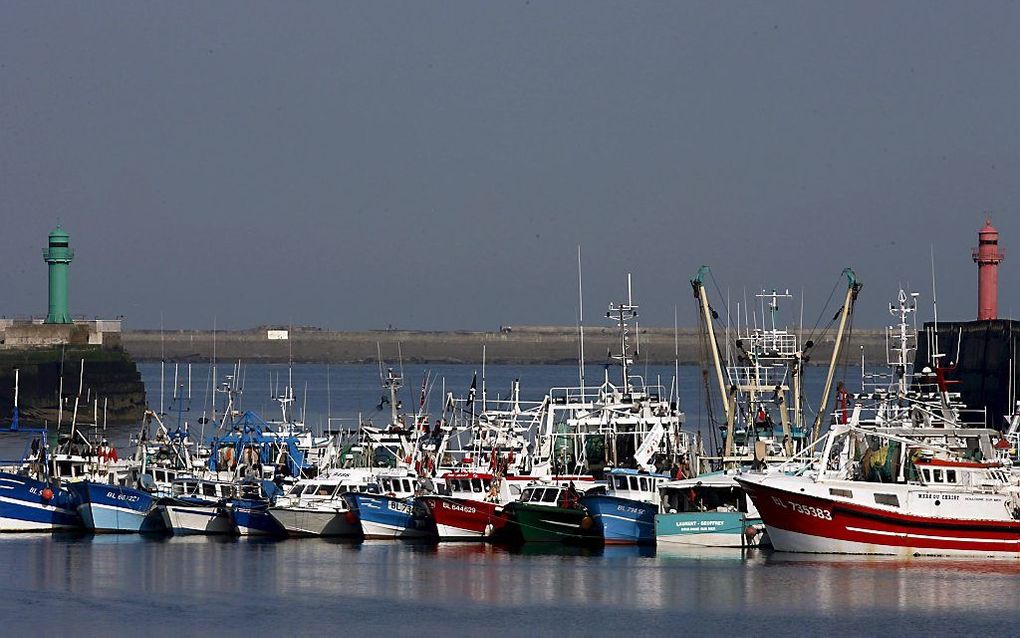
column 166, row 586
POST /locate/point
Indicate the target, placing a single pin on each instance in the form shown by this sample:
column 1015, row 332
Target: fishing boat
column 198, row 506
column 624, row 513
column 549, row 513
column 249, row 510
column 30, row 501
column 394, row 512
column 472, row 508
column 316, row 506
column 887, row 491
column 710, row 510
column 116, row 508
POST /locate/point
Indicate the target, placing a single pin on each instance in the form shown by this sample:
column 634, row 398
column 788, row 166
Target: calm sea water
column 130, row 585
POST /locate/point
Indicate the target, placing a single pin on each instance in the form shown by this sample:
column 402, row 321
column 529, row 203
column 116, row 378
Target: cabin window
column 208, row 489
column 950, row 476
column 644, row 484
column 621, row 482
column 296, row 490
column 486, row 485
column 927, row 475
column 936, row 476
column 407, row 486
column 633, row 483
column 324, row 490
column 887, row 499
column 527, row 494
column 835, row 491
column 476, row 485
column 160, row 476
column 549, row 496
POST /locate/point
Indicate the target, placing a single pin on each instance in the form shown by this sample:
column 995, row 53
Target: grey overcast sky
column 435, row 165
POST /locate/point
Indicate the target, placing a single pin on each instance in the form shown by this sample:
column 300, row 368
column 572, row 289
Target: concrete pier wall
column 521, row 345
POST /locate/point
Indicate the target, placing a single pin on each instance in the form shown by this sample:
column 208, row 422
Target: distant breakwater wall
column 521, row 345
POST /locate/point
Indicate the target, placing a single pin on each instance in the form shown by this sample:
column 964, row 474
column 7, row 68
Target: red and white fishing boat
column 900, row 491
column 472, row 510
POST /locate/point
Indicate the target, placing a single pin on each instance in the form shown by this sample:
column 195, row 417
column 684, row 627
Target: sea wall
column 520, row 345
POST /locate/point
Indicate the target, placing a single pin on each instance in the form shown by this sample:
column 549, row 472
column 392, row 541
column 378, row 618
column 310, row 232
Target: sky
column 436, row 165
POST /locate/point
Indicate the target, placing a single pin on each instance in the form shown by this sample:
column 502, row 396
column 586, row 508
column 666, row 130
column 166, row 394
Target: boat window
column 178, row 489
column 386, row 485
column 835, row 491
column 621, row 482
column 927, row 475
column 486, row 485
column 887, row 499
column 644, row 484
column 950, row 476
column 160, row 476
column 633, row 483
column 296, row 490
column 476, row 485
column 936, row 476
column 208, row 489
column 324, row 490
column 550, row 495
column 527, row 494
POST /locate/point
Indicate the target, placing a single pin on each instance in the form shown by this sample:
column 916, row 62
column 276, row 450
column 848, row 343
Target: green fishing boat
column 549, row 513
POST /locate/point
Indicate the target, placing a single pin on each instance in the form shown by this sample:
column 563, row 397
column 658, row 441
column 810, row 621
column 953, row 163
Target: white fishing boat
column 317, row 507
column 197, row 506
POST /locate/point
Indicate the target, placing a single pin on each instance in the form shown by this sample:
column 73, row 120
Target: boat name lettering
column 941, row 497
column 458, row 508
column 809, row 510
column 628, row 509
column 129, row 498
column 397, row 506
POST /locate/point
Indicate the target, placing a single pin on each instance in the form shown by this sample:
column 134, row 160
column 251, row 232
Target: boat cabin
column 634, row 485
column 203, row 489
column 716, row 492
column 480, row 487
column 551, row 495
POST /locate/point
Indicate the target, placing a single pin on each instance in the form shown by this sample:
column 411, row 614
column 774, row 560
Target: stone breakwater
column 520, row 345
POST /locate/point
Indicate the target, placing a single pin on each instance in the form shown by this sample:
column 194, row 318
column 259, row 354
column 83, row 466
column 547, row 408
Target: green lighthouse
column 58, row 255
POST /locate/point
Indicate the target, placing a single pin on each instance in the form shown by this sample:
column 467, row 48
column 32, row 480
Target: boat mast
column 853, row 288
column 698, row 283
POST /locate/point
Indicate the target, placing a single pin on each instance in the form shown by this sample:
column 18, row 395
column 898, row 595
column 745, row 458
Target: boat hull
column 799, row 522
column 116, row 509
column 252, row 518
column 314, row 522
column 197, row 518
column 458, row 519
column 389, row 517
column 23, row 507
column 709, row 529
column 622, row 521
column 551, row 524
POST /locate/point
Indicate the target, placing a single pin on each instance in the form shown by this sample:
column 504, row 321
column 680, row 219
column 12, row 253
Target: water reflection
column 201, row 573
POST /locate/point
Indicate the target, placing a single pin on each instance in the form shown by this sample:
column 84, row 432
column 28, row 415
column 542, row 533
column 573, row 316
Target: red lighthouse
column 987, row 256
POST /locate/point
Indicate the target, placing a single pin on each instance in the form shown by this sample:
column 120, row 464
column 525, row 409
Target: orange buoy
column 47, row 494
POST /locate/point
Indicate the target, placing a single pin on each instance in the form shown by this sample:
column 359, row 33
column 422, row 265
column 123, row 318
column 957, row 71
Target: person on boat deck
column 107, row 453
column 570, row 496
column 683, row 469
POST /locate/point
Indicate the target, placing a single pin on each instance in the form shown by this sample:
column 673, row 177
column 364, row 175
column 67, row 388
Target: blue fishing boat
column 250, row 511
column 116, row 508
column 625, row 513
column 394, row 513
column 29, row 500
column 389, row 516
column 31, row 505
